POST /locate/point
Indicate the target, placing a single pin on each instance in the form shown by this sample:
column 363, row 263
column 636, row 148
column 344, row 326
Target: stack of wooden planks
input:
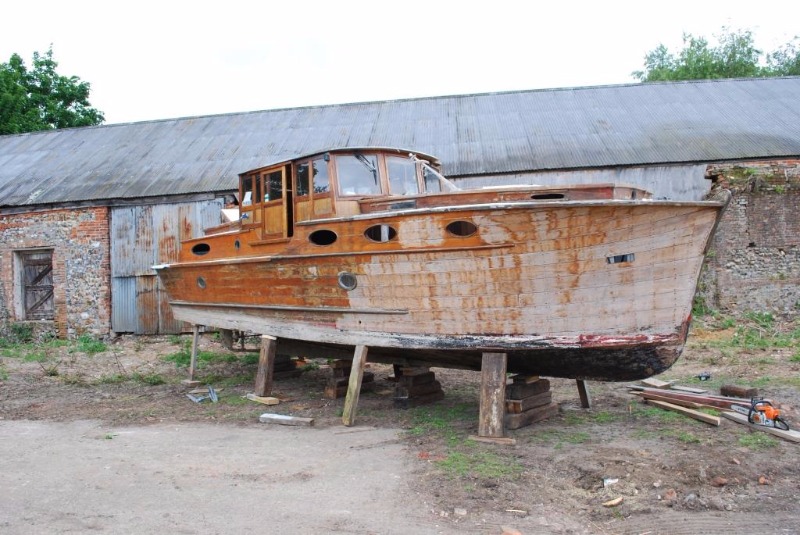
column 690, row 404
column 340, row 376
column 416, row 386
column 528, row 400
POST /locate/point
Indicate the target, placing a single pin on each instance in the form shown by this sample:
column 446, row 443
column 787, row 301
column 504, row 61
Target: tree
column 42, row 99
column 735, row 56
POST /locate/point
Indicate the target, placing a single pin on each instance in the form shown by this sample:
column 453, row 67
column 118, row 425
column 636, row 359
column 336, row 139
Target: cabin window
column 201, row 249
column 321, row 181
column 273, row 186
column 621, row 258
column 303, row 179
column 432, row 182
column 358, row 174
column 322, row 237
column 402, row 176
column 462, row 229
column 380, row 233
column 247, row 191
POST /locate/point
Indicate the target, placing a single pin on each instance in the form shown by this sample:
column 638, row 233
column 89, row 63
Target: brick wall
column 79, row 239
column 754, row 261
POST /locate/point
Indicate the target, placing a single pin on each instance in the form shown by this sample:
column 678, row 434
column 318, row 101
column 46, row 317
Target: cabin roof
column 510, row 132
column 399, row 151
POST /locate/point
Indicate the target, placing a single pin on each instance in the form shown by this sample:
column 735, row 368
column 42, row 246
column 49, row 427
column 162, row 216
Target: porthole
column 201, row 248
column 237, row 245
column 462, row 228
column 380, row 233
column 347, row 281
column 201, row 283
column 322, row 237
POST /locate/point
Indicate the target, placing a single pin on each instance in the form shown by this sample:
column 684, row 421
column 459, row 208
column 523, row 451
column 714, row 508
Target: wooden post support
column 193, row 359
column 493, row 396
column 354, row 386
column 266, row 366
column 583, row 392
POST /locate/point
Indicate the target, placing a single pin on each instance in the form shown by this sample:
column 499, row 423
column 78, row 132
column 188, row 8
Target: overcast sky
column 164, row 59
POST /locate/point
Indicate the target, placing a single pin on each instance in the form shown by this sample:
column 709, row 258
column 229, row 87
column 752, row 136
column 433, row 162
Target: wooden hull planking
column 587, row 290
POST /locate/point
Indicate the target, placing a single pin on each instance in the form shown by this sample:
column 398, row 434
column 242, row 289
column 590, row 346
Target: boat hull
column 597, row 290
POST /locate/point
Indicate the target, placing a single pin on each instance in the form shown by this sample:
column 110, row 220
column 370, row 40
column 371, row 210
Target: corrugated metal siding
column 515, row 132
column 142, row 236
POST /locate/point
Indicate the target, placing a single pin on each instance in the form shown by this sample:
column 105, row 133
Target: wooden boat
column 374, row 247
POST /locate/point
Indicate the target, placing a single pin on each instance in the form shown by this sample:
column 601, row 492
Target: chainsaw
column 761, row 412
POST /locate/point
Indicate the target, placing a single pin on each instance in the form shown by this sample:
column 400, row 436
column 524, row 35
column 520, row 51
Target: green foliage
column 21, row 332
column 183, row 358
column 481, row 464
column 152, row 379
column 734, row 56
column 757, row 441
column 441, row 419
column 41, row 99
column 90, row 345
column 3, row 373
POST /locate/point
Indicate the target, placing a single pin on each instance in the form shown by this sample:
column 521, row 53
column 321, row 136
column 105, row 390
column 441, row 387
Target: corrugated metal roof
column 470, row 134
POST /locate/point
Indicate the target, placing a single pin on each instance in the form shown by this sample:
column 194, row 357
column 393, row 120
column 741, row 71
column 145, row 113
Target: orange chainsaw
column 762, row 412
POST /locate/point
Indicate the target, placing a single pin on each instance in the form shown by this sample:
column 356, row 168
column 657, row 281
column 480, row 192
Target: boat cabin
column 335, row 183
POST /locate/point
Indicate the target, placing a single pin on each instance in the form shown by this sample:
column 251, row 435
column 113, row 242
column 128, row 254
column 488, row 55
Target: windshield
column 358, row 174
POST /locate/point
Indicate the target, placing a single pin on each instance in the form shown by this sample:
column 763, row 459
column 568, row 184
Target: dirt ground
column 674, row 474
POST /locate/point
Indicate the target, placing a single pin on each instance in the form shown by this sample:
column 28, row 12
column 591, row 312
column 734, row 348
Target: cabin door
column 275, row 205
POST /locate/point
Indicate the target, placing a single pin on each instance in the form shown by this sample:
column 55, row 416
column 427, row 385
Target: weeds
column 89, row 345
column 183, row 358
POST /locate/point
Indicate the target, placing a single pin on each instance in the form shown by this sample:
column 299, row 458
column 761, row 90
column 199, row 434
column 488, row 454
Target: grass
column 441, row 419
column 479, row 464
column 758, row 441
column 758, row 330
column 90, row 345
column 183, row 358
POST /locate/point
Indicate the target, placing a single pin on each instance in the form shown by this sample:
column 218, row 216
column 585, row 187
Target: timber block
column 515, row 421
column 420, row 379
column 516, row 406
column 734, row 391
column 336, row 392
column 368, row 377
column 526, row 390
column 403, row 391
column 526, row 379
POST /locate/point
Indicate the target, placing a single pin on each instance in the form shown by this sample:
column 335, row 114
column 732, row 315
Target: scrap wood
column 689, row 389
column 738, row 391
column 683, row 403
column 793, row 436
column 656, row 383
column 721, row 402
column 265, row 400
column 282, row 419
column 697, row 415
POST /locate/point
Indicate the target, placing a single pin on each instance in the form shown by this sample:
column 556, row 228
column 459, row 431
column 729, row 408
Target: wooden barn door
column 37, row 282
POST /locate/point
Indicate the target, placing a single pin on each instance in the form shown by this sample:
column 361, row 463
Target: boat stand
column 266, row 366
column 491, row 417
column 354, row 386
column 190, row 382
column 583, row 392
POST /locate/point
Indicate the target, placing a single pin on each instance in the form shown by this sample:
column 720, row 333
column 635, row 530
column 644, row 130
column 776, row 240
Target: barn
column 86, row 212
